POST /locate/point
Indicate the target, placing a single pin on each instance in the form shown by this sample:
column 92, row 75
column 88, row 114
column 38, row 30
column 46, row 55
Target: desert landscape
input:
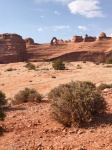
column 30, row 126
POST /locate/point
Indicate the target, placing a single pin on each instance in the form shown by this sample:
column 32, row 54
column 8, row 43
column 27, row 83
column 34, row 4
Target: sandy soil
column 30, row 127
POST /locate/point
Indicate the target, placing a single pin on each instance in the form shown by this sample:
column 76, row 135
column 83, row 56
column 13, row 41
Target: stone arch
column 54, row 41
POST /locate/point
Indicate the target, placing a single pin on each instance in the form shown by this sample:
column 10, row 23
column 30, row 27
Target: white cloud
column 54, row 1
column 87, row 8
column 57, row 13
column 40, row 29
column 82, row 28
column 42, row 16
column 60, row 27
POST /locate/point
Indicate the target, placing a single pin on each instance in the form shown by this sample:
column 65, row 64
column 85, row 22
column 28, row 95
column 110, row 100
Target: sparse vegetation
column 79, row 66
column 97, row 63
column 58, row 65
column 84, row 61
column 10, row 69
column 30, row 66
column 103, row 86
column 76, row 103
column 109, row 60
column 27, row 95
column 2, row 102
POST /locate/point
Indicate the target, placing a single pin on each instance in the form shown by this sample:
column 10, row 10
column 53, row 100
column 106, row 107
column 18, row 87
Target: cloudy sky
column 44, row 19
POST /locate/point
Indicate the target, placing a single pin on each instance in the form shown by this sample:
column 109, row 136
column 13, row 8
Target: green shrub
column 109, row 60
column 97, row 63
column 27, row 95
column 58, row 64
column 84, row 61
column 30, row 66
column 103, row 86
column 2, row 102
column 76, row 103
column 2, row 98
column 79, row 67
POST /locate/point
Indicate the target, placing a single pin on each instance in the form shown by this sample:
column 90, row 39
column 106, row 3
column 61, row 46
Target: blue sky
column 44, row 19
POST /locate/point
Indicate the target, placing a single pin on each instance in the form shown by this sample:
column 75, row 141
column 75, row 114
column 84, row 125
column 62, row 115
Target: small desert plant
column 97, row 63
column 10, row 69
column 76, row 103
column 103, row 86
column 27, row 95
column 84, row 61
column 109, row 60
column 2, row 102
column 30, row 66
column 108, row 66
column 79, row 67
column 58, row 64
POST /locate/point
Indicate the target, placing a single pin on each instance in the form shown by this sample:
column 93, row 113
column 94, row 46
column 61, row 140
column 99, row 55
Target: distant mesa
column 12, row 48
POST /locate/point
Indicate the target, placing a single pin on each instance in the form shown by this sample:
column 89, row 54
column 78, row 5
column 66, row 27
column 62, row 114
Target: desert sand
column 30, row 126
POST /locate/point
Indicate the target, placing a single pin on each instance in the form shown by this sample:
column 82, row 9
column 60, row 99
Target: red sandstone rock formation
column 12, row 48
column 103, row 36
column 89, row 38
column 54, row 41
column 77, row 39
column 60, row 41
column 29, row 41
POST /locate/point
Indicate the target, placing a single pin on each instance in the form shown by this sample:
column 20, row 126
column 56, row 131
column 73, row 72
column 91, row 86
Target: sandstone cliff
column 12, row 48
column 91, row 49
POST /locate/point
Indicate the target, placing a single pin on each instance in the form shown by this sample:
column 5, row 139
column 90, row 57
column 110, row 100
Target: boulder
column 77, row 39
column 60, row 41
column 103, row 36
column 12, row 48
column 89, row 38
column 29, row 41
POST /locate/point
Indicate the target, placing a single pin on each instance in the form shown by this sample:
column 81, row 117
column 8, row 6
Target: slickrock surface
column 12, row 48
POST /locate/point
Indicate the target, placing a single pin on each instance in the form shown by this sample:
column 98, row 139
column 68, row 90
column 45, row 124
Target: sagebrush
column 58, row 65
column 2, row 102
column 76, row 103
column 27, row 95
column 30, row 66
column 103, row 86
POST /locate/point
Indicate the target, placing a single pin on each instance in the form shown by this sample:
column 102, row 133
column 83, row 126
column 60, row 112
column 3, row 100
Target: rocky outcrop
column 29, row 41
column 54, row 41
column 77, row 39
column 89, row 38
column 12, row 48
column 103, row 36
column 60, row 41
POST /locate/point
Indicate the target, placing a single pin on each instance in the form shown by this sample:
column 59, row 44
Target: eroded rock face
column 29, row 41
column 89, row 38
column 103, row 36
column 12, row 48
column 77, row 39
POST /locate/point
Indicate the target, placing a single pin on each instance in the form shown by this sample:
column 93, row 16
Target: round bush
column 27, row 95
column 30, row 66
column 58, row 64
column 2, row 102
column 76, row 103
column 109, row 60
